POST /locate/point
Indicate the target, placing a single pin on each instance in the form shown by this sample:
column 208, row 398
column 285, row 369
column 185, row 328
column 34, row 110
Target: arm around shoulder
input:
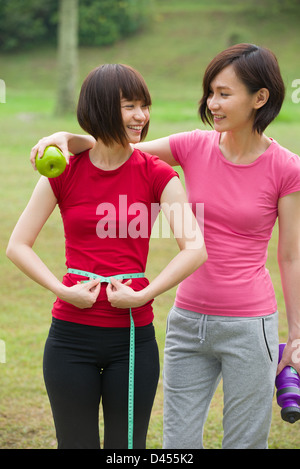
column 159, row 147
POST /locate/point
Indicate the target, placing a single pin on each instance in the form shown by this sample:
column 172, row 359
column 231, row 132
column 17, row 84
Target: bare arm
column 74, row 143
column 191, row 256
column 161, row 148
column 289, row 263
column 20, row 249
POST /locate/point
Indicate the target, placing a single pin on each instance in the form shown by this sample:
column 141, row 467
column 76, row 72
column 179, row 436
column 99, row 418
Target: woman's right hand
column 82, row 295
column 58, row 139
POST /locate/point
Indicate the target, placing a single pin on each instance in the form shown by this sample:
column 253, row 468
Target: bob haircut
column 99, row 103
column 257, row 68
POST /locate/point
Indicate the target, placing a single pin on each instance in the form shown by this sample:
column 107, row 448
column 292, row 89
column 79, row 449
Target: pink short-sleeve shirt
column 240, row 209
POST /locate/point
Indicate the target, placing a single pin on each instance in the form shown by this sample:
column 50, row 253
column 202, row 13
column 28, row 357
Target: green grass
column 172, row 54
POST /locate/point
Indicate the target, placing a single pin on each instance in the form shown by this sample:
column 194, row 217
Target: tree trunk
column 67, row 56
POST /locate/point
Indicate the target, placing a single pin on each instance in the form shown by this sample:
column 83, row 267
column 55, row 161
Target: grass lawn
column 172, row 54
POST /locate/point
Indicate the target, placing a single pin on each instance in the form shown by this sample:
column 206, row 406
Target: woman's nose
column 140, row 114
column 212, row 103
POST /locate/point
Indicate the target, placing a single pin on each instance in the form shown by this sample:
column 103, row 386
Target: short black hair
column 257, row 67
column 99, row 103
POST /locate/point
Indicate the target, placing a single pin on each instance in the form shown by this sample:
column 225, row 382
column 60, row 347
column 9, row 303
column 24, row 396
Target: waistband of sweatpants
column 217, row 317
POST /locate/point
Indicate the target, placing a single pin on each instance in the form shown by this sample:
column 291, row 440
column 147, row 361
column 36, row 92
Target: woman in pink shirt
column 224, row 323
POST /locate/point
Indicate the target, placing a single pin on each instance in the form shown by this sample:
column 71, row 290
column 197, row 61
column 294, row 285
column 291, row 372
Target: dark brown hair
column 99, row 104
column 257, row 68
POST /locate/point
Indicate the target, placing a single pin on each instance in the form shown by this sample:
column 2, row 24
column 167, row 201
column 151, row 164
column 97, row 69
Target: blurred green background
column 170, row 42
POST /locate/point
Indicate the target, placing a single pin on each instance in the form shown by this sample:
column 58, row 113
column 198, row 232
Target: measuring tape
column 131, row 345
column 83, row 273
column 131, row 383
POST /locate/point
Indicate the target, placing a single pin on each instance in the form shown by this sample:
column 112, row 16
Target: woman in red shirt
column 108, row 198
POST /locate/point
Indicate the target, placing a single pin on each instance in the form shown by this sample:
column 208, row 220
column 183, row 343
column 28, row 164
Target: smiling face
column 135, row 116
column 241, row 69
column 230, row 103
column 99, row 112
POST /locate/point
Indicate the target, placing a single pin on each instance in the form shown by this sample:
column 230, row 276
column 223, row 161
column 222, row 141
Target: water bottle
column 288, row 391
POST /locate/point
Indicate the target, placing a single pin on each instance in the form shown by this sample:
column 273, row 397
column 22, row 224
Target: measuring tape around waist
column 91, row 275
column 84, row 273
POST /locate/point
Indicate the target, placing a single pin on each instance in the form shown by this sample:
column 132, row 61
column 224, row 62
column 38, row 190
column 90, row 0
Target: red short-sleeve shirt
column 107, row 217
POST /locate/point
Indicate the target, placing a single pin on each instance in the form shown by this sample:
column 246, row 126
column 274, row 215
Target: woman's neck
column 109, row 157
column 243, row 147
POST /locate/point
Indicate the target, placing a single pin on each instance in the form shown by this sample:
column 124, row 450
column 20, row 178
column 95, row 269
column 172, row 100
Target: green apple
column 52, row 163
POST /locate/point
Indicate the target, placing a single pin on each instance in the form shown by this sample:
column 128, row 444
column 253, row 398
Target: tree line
column 26, row 24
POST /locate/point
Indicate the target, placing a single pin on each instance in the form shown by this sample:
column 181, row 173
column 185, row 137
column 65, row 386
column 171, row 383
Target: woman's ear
column 262, row 97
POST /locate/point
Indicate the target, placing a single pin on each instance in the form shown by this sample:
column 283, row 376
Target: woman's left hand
column 120, row 295
column 290, row 356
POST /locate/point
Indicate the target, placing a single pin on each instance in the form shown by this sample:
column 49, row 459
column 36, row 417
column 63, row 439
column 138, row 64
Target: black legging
column 83, row 364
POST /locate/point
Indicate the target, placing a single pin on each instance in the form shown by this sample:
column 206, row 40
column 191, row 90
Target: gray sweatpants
column 199, row 351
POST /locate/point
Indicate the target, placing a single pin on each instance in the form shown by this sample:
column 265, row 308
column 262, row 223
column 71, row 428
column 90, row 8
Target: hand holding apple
column 52, row 163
